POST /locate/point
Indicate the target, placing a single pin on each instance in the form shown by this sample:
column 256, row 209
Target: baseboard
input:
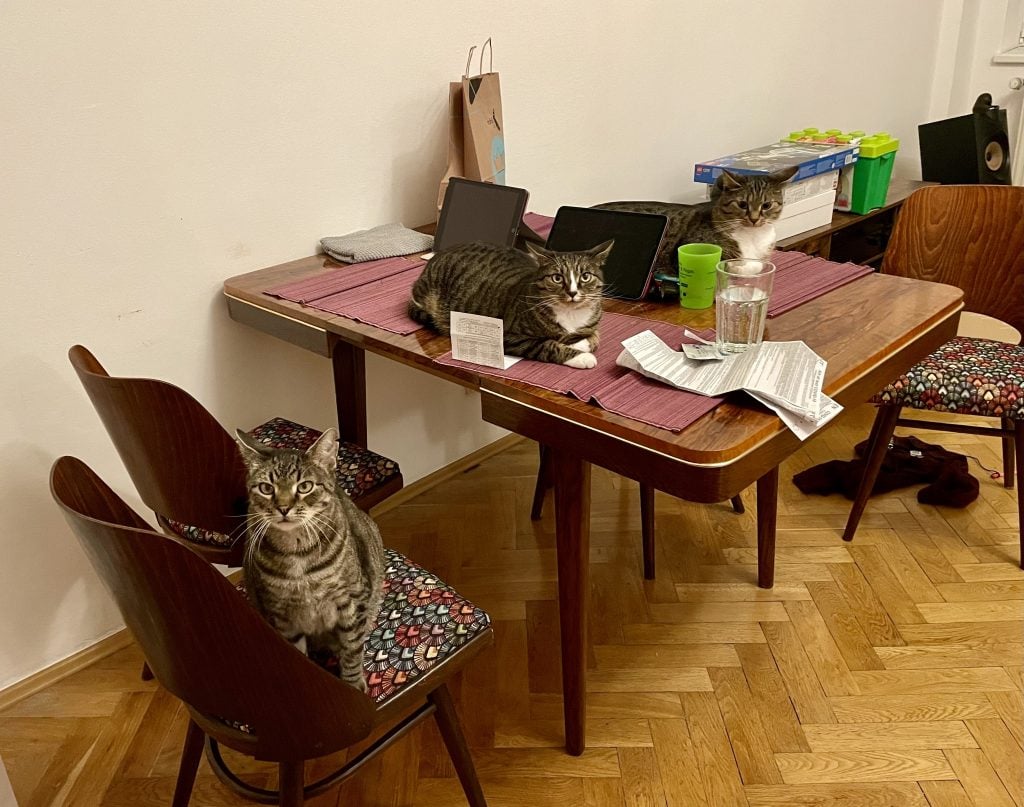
column 116, row 641
column 422, row 485
column 65, row 667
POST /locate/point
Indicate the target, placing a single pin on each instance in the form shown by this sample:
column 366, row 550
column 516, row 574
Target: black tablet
column 628, row 270
column 479, row 211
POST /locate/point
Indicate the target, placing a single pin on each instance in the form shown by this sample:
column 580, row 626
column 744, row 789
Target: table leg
column 571, row 477
column 350, row 391
column 767, row 507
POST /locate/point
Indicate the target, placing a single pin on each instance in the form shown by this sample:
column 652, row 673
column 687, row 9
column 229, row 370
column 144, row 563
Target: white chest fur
column 572, row 317
column 755, row 243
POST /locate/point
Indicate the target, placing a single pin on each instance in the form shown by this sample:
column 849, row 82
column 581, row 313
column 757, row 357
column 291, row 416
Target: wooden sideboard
column 856, row 238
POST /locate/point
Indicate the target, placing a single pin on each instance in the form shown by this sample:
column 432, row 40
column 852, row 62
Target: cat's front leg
column 349, row 649
column 587, row 345
column 549, row 350
column 299, row 643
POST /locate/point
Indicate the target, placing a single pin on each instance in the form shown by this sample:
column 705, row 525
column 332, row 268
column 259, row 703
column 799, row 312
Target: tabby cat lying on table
column 739, row 218
column 550, row 302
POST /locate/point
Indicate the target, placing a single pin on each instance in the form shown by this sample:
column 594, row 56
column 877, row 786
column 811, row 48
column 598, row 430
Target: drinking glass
column 742, row 289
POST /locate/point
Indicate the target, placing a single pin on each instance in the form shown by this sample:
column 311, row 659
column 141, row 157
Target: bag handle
column 488, row 46
column 469, row 59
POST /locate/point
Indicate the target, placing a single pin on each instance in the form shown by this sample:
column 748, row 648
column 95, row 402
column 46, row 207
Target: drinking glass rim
column 767, row 267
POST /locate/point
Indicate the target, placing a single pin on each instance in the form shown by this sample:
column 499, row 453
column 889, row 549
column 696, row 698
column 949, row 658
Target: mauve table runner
column 377, row 293
column 611, row 387
column 800, row 278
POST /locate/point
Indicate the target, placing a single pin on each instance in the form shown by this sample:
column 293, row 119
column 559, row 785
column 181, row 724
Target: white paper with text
column 479, row 340
column 785, row 376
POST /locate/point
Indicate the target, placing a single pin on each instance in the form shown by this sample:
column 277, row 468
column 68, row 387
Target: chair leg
column 647, row 528
column 147, row 674
column 543, row 483
column 1018, row 444
column 188, row 766
column 737, row 504
column 1008, row 454
column 878, row 444
column 455, row 742
column 291, row 775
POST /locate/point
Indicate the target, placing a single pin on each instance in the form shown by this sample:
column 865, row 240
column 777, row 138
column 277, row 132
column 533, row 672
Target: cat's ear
column 729, row 181
column 324, row 452
column 538, row 253
column 783, row 175
column 601, row 251
column 252, row 450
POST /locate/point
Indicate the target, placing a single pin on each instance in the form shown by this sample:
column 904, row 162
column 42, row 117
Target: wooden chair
column 187, row 468
column 970, row 236
column 545, row 483
column 244, row 685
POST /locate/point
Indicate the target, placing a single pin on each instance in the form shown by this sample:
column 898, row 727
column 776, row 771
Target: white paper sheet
column 479, row 340
column 785, row 376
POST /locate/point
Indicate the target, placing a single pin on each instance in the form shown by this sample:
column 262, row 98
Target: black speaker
column 969, row 150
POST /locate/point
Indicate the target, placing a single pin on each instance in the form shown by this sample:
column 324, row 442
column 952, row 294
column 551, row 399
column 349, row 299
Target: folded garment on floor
column 385, row 241
column 908, row 461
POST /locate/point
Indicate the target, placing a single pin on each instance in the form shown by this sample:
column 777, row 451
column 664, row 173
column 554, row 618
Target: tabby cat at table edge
column 549, row 302
column 740, row 217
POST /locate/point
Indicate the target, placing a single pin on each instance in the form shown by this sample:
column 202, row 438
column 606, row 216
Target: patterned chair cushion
column 359, row 470
column 422, row 621
column 965, row 376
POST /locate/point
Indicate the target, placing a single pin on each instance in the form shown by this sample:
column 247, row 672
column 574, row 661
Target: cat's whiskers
column 320, row 524
column 256, row 536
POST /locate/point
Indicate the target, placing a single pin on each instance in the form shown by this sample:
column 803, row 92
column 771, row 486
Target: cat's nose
column 284, row 510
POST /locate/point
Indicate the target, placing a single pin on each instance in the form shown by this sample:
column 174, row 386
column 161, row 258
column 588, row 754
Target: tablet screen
column 627, row 272
column 479, row 211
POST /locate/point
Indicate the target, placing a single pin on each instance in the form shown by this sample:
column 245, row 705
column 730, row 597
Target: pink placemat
column 800, row 278
column 382, row 303
column 343, row 278
column 611, row 387
column 539, row 224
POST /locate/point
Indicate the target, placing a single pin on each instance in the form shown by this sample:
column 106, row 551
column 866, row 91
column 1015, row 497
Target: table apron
column 696, row 483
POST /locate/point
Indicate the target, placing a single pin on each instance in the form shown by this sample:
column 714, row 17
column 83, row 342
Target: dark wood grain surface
column 868, row 331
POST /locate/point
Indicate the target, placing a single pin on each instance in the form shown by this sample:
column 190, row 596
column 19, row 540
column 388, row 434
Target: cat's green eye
column 767, row 205
column 556, row 278
column 305, row 487
column 586, row 277
column 265, row 488
column 742, row 205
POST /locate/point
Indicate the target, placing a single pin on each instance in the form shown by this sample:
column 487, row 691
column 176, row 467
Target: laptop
column 630, row 266
column 479, row 211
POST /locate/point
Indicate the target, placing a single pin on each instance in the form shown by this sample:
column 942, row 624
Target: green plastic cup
column 697, row 263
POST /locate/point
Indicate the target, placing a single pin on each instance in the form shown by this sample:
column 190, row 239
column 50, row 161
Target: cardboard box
column 805, row 214
column 804, row 189
column 811, row 160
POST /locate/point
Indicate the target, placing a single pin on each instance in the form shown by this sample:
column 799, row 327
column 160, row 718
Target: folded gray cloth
column 385, row 241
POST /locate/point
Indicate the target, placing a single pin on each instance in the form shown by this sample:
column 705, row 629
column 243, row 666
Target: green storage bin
column 872, row 172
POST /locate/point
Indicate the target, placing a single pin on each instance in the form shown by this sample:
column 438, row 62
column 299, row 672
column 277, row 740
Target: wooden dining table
column 869, row 331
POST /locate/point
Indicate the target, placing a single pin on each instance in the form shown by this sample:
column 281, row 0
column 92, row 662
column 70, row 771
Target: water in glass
column 740, row 313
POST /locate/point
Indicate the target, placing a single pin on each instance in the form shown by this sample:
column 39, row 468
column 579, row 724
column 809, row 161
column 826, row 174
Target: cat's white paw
column 582, row 361
column 582, row 345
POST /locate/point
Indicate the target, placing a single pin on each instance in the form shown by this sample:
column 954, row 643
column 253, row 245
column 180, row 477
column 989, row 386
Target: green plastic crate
column 872, row 172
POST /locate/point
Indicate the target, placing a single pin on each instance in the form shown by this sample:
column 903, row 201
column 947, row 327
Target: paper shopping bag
column 456, row 162
column 482, row 126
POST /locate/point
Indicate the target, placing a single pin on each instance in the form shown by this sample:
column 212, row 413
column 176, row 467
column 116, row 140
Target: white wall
column 150, row 150
column 971, row 32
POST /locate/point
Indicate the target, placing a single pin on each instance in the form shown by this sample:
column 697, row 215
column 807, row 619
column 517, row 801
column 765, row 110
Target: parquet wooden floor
column 886, row 672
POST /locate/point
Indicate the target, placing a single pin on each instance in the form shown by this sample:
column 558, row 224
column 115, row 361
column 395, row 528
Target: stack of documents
column 784, row 376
